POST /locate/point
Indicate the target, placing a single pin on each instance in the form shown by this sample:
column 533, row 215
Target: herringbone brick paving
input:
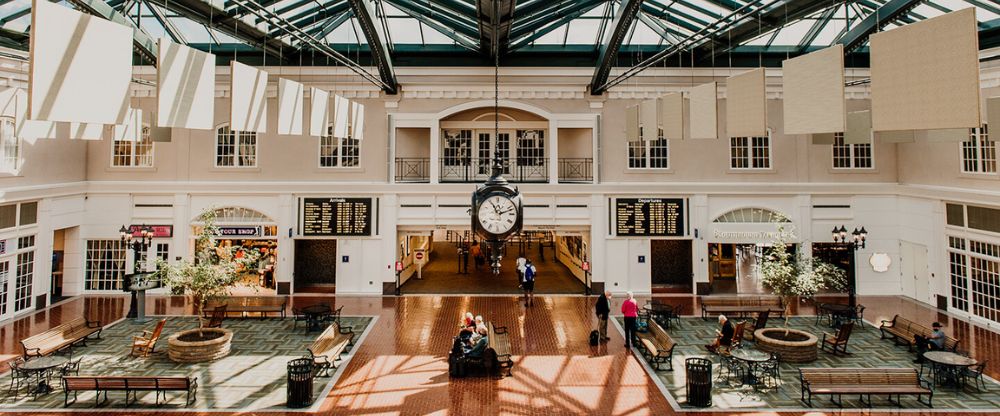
column 401, row 369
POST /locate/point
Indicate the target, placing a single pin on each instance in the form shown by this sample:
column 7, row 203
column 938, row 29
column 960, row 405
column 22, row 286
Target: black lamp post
column 853, row 243
column 138, row 243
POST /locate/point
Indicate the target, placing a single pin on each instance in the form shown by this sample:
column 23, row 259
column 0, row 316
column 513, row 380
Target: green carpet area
column 252, row 377
column 868, row 350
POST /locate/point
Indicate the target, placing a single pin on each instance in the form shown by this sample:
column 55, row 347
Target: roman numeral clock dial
column 497, row 214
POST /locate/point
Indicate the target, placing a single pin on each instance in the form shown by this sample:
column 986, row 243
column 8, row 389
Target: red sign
column 159, row 231
column 586, row 266
column 419, row 255
column 399, row 266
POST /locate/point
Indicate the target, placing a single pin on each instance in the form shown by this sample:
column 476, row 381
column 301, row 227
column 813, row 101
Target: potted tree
column 204, row 280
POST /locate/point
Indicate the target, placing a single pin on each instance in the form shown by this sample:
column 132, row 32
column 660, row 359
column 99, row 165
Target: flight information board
column 657, row 217
column 336, row 216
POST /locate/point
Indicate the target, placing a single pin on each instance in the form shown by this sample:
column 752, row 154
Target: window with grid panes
column 338, row 152
column 851, row 156
column 23, row 280
column 28, row 214
column 457, row 149
column 531, row 147
column 979, row 154
column 959, row 281
column 105, row 265
column 750, row 152
column 654, row 154
column 235, row 148
column 636, row 154
column 10, row 146
column 133, row 154
column 8, row 216
column 4, row 278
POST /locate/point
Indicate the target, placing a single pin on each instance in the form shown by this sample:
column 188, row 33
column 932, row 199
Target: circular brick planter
column 801, row 348
column 199, row 351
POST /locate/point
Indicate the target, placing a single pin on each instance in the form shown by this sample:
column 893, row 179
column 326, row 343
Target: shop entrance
column 450, row 266
column 316, row 266
column 671, row 268
column 734, row 268
column 255, row 279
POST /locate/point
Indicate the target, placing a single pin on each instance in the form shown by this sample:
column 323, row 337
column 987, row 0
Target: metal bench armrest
column 499, row 329
column 347, row 330
column 94, row 324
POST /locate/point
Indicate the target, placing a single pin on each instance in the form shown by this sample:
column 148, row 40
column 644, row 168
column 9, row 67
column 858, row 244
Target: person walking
column 631, row 311
column 603, row 308
column 529, row 283
column 477, row 254
column 521, row 261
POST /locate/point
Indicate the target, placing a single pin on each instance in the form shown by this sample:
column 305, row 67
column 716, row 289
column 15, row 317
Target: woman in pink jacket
column 631, row 311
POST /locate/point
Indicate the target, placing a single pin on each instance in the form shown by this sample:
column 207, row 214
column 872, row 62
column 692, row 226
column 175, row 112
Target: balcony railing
column 413, row 169
column 521, row 170
column 470, row 170
column 576, row 170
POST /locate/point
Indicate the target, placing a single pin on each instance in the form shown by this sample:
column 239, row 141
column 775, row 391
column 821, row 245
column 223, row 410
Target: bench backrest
column 741, row 301
column 330, row 333
column 54, row 334
column 661, row 336
column 912, row 328
column 125, row 382
column 860, row 376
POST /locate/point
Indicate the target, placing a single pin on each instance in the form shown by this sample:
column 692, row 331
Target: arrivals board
column 656, row 217
column 336, row 216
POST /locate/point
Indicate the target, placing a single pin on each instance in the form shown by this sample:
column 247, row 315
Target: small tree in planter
column 212, row 272
column 789, row 275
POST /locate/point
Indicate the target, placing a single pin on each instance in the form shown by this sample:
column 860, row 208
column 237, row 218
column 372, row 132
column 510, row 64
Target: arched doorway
column 737, row 244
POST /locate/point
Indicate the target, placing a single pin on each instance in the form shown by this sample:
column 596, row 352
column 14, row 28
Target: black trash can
column 699, row 381
column 300, row 383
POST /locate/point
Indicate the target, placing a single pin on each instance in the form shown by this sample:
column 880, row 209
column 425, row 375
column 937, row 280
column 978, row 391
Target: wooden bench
column 498, row 351
column 328, row 347
column 863, row 382
column 130, row 385
column 244, row 305
column 740, row 305
column 657, row 346
column 902, row 331
column 59, row 337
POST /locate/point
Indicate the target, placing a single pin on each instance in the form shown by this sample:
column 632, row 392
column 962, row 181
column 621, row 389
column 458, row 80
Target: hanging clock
column 497, row 210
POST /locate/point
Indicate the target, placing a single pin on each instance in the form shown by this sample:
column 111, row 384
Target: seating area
column 130, row 385
column 864, row 383
column 657, row 346
column 902, row 331
column 244, row 306
column 496, row 357
column 61, row 337
column 129, row 366
column 740, row 306
column 746, row 378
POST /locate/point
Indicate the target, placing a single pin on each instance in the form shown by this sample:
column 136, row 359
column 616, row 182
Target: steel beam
column 495, row 18
column 522, row 41
column 530, row 27
column 816, row 28
column 175, row 34
column 886, row 14
column 761, row 19
column 144, row 43
column 609, row 50
column 364, row 11
column 459, row 34
column 206, row 13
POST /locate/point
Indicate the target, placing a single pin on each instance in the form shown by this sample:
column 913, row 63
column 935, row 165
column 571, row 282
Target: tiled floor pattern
column 252, row 376
column 868, row 350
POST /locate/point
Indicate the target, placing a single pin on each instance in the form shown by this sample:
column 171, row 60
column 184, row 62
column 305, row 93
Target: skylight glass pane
column 404, row 31
column 343, row 34
column 433, row 37
column 554, row 37
column 583, row 31
column 829, row 33
column 927, row 11
column 793, row 34
column 643, row 35
column 391, row 10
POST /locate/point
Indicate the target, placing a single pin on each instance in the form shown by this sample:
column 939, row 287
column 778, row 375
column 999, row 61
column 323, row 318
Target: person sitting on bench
column 477, row 350
column 468, row 326
column 933, row 342
column 724, row 336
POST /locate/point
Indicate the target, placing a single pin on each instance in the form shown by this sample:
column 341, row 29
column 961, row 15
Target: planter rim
column 226, row 337
column 810, row 340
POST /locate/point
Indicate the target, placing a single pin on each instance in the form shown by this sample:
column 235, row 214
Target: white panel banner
column 648, row 120
column 813, row 89
column 671, row 116
column 131, row 129
column 859, row 127
column 632, row 123
column 319, row 114
column 341, row 111
column 248, row 97
column 81, row 66
column 357, row 121
column 84, row 131
column 291, row 96
column 746, row 104
column 185, row 87
column 704, row 112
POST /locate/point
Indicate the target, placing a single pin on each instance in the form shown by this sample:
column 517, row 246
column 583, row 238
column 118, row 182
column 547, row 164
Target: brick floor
column 401, row 367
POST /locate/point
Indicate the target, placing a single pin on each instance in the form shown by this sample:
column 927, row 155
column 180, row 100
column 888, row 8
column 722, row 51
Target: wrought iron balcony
column 413, row 169
column 471, row 170
column 576, row 170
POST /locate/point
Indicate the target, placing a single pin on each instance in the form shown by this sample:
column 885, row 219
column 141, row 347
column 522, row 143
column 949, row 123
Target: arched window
column 338, row 152
column 136, row 154
column 240, row 215
column 752, row 215
column 10, row 146
column 235, row 148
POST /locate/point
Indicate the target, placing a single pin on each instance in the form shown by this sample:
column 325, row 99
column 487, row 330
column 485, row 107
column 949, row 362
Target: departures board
column 653, row 217
column 336, row 216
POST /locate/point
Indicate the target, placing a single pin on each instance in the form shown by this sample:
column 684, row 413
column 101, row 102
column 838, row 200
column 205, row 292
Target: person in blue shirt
column 477, row 349
column 528, row 283
column 933, row 342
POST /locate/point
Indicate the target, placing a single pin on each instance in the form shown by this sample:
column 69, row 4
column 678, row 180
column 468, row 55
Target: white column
column 804, row 228
column 181, row 245
column 596, row 149
column 42, row 279
column 392, row 149
column 435, row 151
column 553, row 151
column 287, row 217
column 698, row 210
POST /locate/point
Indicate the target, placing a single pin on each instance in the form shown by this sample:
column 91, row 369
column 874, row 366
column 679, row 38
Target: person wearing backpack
column 529, row 283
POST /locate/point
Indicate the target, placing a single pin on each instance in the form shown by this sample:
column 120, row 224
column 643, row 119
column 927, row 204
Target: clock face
column 497, row 214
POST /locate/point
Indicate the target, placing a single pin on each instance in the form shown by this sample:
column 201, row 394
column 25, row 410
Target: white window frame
column 647, row 157
column 11, row 147
column 978, row 139
column 96, row 277
column 238, row 156
column 133, row 159
column 750, row 159
column 852, row 153
column 342, row 144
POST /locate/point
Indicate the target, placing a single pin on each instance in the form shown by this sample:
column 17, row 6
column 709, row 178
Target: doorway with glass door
column 467, row 155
